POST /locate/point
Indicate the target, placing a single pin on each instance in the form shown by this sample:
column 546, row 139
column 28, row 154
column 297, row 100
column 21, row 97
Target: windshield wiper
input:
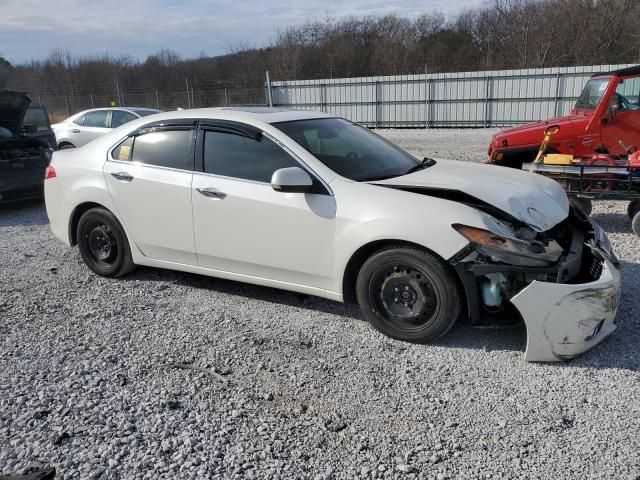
column 425, row 163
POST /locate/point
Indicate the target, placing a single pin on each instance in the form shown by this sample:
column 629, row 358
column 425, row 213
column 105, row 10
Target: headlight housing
column 513, row 251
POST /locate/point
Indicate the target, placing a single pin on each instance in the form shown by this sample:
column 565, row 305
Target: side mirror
column 291, row 180
column 29, row 128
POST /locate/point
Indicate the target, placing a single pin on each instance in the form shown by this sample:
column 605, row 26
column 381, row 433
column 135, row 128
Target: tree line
column 502, row 34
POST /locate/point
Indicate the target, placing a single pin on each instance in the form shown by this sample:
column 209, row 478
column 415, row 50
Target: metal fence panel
column 466, row 99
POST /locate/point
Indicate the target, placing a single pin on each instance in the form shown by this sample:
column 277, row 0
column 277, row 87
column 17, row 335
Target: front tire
column 408, row 294
column 103, row 244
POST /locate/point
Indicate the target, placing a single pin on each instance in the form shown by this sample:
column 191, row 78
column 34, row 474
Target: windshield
column 348, row 149
column 592, row 93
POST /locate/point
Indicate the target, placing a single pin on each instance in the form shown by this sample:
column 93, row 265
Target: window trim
column 140, row 132
column 222, row 128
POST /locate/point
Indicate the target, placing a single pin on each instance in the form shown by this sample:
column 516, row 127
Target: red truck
column 605, row 120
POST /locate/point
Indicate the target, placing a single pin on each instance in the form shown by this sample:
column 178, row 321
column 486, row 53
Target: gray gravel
column 301, row 387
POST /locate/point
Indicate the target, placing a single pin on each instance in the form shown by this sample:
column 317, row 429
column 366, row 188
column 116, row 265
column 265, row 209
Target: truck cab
column 605, row 119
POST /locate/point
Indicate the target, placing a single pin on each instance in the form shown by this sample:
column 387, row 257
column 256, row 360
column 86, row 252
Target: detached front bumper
column 565, row 320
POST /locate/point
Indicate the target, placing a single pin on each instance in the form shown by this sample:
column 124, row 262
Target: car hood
column 532, row 199
column 13, row 106
column 534, row 132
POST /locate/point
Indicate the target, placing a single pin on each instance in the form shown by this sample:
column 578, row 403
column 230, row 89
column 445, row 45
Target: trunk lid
column 13, row 106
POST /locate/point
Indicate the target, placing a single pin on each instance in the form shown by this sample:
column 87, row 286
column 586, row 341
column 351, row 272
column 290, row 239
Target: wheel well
column 75, row 218
column 360, row 256
column 62, row 144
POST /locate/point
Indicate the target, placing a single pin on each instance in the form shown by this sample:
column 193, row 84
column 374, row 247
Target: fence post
column 269, row 94
column 157, row 101
column 557, row 98
column 66, row 102
column 118, row 94
column 186, row 81
column 323, row 97
column 378, row 104
column 91, row 98
column 226, row 97
column 487, row 98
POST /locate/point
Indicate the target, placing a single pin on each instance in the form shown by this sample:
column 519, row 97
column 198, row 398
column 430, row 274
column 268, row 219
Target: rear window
column 38, row 117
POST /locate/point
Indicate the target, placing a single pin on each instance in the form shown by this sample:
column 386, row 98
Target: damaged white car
column 313, row 203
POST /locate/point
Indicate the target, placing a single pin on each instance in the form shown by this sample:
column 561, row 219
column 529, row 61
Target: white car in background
column 312, row 203
column 81, row 128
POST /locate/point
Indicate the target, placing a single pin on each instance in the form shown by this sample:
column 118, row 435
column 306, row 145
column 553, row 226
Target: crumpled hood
column 533, row 199
column 13, row 106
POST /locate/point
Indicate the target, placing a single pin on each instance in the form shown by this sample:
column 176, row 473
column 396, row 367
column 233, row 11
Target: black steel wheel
column 103, row 244
column 408, row 294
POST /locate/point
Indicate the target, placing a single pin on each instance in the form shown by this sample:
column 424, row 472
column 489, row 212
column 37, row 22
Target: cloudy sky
column 30, row 29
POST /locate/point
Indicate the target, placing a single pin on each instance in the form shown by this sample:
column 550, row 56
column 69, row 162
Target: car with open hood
column 26, row 142
column 313, row 203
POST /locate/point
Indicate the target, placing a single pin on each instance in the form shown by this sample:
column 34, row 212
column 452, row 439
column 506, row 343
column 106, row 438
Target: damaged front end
column 564, row 282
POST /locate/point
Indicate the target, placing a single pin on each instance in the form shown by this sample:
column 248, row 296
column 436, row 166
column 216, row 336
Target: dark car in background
column 26, row 145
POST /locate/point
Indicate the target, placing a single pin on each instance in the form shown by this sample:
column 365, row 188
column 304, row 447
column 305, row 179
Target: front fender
column 378, row 213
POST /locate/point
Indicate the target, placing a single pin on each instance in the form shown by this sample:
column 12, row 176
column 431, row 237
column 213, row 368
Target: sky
column 30, row 29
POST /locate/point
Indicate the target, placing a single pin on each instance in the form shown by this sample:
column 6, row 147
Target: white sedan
column 312, row 203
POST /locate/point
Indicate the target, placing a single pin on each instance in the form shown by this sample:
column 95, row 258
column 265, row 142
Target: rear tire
column 633, row 208
column 408, row 294
column 583, row 204
column 103, row 244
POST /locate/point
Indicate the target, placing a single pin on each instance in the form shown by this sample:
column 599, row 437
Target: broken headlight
column 509, row 250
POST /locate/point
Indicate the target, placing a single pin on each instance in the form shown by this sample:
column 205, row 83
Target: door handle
column 211, row 193
column 75, row 130
column 122, row 176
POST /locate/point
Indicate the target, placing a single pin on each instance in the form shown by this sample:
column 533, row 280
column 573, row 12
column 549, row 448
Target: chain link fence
column 63, row 106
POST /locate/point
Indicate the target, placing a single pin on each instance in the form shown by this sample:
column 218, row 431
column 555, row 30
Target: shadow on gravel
column 250, row 292
column 613, row 222
column 461, row 336
column 24, row 213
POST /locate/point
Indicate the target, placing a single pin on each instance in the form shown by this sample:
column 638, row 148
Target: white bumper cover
column 565, row 320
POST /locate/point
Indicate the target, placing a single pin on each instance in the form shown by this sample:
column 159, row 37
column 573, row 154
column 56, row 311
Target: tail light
column 50, row 172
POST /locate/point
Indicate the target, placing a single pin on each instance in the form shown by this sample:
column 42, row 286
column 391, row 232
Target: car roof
column 243, row 114
column 623, row 72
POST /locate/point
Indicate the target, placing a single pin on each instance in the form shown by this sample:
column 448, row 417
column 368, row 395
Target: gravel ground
column 301, row 387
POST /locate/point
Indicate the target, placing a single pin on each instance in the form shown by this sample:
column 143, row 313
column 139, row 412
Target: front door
column 149, row 178
column 245, row 227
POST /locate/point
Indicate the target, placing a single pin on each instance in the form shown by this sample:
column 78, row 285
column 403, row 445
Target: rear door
column 90, row 126
column 149, row 177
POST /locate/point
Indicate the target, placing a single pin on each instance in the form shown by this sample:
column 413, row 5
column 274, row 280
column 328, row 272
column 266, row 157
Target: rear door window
column 165, row 148
column 120, row 117
column 96, row 119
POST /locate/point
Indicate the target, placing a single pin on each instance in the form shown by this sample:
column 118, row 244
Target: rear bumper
column 565, row 320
